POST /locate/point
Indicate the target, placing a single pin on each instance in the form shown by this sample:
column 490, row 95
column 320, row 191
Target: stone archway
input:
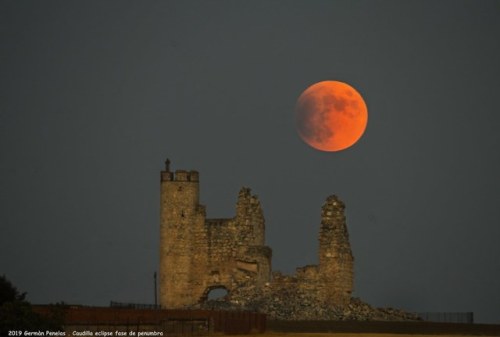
column 215, row 292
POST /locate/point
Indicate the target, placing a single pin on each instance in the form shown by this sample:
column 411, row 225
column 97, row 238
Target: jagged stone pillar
column 335, row 256
column 251, row 224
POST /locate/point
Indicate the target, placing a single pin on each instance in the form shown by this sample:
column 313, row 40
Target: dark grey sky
column 95, row 95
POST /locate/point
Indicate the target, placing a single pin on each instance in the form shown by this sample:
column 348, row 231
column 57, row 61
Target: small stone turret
column 335, row 256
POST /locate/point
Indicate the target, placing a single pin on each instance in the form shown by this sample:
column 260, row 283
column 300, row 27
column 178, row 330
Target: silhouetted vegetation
column 16, row 313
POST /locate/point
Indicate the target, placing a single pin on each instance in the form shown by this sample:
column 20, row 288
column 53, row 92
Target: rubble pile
column 289, row 303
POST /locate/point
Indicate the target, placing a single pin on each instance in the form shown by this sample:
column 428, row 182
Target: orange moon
column 331, row 116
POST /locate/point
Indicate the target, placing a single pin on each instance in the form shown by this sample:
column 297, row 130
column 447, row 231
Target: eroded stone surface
column 199, row 254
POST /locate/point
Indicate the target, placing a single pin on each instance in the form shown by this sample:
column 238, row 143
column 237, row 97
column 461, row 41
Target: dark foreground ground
column 421, row 328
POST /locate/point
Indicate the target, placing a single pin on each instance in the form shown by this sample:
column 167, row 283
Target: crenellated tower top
column 179, row 175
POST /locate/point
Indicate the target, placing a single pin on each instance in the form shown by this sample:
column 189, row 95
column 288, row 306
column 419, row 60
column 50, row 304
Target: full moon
column 331, row 116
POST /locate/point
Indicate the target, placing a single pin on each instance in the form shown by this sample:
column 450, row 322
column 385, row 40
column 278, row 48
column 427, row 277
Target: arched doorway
column 215, row 293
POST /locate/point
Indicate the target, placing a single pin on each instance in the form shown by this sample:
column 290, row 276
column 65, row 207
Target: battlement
column 180, row 175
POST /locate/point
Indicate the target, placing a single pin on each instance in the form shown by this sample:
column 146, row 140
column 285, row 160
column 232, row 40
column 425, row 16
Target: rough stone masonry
column 198, row 255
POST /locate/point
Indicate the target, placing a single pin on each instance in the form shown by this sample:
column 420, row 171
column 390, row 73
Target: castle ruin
column 198, row 254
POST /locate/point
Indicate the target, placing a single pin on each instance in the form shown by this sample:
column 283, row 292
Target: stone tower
column 335, row 256
column 182, row 219
column 197, row 254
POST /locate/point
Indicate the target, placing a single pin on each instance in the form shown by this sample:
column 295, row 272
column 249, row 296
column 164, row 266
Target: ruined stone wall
column 199, row 254
column 320, row 291
column 335, row 256
column 233, row 256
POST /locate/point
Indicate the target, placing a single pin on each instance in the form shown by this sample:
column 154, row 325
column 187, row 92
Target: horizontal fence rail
column 382, row 327
column 170, row 322
column 113, row 304
column 447, row 317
